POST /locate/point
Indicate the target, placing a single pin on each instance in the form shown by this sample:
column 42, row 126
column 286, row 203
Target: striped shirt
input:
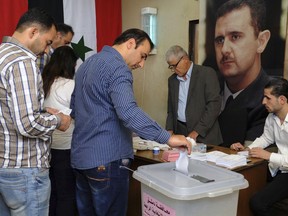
column 25, row 132
column 43, row 59
column 106, row 112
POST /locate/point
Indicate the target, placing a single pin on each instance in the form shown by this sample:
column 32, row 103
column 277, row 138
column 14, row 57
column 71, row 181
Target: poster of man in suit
column 276, row 21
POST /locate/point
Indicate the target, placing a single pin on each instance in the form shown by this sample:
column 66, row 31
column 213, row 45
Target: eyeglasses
column 171, row 67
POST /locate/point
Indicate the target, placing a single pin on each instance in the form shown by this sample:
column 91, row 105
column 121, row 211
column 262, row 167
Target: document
column 229, row 161
column 182, row 162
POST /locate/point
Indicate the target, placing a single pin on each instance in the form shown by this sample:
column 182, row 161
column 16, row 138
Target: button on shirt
column 25, row 132
column 106, row 112
column 183, row 94
column 275, row 132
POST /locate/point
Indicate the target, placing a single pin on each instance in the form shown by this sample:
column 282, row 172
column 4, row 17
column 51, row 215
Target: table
column 254, row 172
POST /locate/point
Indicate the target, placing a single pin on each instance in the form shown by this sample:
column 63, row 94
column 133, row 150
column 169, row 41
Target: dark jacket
column 203, row 104
column 245, row 116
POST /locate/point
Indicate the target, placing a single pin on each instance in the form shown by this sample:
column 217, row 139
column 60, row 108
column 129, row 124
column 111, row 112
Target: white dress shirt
column 275, row 132
column 59, row 98
column 183, row 94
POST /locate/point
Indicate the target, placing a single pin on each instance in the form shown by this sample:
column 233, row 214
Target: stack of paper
column 231, row 161
column 198, row 156
column 214, row 155
column 141, row 144
column 221, row 158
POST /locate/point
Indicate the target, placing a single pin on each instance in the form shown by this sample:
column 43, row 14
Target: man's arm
column 25, row 84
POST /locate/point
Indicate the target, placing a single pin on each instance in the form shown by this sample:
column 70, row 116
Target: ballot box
column 206, row 190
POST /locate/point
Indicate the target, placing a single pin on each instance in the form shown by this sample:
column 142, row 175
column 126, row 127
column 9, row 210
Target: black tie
column 229, row 99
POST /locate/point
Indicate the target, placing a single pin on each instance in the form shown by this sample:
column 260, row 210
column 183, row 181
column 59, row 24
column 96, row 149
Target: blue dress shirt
column 105, row 112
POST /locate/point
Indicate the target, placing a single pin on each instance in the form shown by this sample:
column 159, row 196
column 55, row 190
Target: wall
column 150, row 83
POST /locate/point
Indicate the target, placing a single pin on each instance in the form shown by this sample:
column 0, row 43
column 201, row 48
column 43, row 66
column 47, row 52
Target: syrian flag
column 95, row 22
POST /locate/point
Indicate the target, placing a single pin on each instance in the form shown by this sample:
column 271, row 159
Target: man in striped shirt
column 25, row 127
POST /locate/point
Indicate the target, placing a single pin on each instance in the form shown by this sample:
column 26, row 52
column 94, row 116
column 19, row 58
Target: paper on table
column 182, row 163
column 232, row 161
column 147, row 144
column 66, row 111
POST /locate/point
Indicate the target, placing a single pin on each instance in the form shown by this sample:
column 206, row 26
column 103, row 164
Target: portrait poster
column 273, row 57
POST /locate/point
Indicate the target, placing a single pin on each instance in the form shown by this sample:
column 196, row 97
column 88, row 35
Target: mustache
column 225, row 59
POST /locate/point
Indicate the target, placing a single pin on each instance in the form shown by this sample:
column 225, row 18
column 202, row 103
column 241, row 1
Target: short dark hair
column 137, row 34
column 35, row 16
column 64, row 28
column 279, row 86
column 257, row 11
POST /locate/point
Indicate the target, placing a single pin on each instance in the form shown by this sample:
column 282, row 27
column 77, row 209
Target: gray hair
column 175, row 51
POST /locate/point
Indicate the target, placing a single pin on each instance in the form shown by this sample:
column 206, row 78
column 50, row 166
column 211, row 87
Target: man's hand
column 193, row 135
column 237, row 146
column 65, row 121
column 180, row 142
column 259, row 153
column 51, row 110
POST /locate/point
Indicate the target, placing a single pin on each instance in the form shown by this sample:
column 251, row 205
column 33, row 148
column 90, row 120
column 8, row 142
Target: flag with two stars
column 95, row 22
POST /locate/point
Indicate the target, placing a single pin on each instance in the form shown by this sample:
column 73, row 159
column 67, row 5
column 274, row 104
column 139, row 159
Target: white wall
column 150, row 83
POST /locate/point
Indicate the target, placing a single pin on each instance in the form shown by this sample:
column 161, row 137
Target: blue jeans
column 103, row 190
column 24, row 192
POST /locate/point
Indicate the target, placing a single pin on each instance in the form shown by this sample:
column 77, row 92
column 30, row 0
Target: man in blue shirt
column 106, row 113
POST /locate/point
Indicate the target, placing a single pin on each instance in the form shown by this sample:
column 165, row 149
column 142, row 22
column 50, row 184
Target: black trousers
column 274, row 191
column 63, row 184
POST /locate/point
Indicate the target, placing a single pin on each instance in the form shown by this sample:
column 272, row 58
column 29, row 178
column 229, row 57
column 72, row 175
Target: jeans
column 24, row 192
column 103, row 190
column 63, row 185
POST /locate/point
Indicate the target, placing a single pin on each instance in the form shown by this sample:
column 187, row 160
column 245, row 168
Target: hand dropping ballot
column 182, row 162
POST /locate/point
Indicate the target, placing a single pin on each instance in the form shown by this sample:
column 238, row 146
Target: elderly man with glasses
column 194, row 101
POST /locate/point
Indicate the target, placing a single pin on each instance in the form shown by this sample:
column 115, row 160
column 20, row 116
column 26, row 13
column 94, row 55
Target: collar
column 15, row 42
column 285, row 120
column 188, row 74
column 227, row 92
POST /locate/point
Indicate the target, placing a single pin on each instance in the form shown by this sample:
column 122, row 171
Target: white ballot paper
column 182, row 163
column 66, row 111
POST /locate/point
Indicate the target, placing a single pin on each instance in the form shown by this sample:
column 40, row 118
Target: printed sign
column 153, row 207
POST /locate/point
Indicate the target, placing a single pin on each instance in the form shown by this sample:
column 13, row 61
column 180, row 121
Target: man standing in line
column 106, row 113
column 194, row 99
column 240, row 38
column 63, row 37
column 25, row 126
column 275, row 131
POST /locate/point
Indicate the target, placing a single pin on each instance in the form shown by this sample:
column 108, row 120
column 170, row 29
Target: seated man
column 275, row 131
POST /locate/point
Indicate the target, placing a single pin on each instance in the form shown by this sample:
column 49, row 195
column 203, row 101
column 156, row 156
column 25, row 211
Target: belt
column 183, row 123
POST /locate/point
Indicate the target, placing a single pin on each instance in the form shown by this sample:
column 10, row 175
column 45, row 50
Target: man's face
column 235, row 43
column 138, row 55
column 178, row 65
column 62, row 39
column 271, row 102
column 41, row 40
